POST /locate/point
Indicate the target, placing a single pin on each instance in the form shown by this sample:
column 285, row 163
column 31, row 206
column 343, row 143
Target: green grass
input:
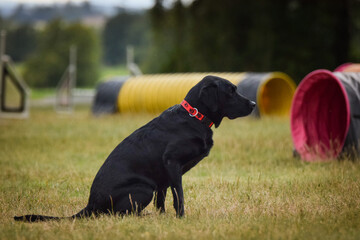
column 40, row 93
column 249, row 187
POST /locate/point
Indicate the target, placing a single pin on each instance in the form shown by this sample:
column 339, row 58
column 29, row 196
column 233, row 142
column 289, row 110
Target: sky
column 7, row 6
column 139, row 4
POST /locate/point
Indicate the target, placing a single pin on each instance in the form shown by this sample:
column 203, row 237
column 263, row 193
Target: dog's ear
column 209, row 96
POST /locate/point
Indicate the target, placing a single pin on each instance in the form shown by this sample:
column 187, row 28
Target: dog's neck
column 215, row 117
column 194, row 112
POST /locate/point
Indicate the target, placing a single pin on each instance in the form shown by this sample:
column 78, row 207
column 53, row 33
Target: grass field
column 250, row 187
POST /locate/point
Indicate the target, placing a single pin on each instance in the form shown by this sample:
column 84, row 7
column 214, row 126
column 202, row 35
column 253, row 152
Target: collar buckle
column 196, row 112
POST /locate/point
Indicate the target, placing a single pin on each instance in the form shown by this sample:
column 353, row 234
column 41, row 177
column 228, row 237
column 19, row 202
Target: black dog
column 156, row 156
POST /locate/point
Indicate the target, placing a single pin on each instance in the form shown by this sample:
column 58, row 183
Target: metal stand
column 130, row 63
column 14, row 93
column 64, row 102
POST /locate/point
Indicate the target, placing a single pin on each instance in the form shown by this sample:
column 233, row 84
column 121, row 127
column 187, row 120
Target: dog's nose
column 252, row 104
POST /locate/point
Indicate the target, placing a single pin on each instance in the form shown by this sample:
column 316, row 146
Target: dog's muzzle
column 252, row 104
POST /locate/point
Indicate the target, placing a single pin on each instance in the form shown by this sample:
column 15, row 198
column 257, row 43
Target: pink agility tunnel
column 325, row 115
column 348, row 67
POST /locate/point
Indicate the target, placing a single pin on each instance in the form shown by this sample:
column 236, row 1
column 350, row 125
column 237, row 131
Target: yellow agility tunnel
column 272, row 91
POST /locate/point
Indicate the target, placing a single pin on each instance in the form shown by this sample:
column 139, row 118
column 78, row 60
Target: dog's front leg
column 175, row 175
column 159, row 200
column 175, row 155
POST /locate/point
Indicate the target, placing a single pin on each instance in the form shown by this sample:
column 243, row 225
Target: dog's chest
column 198, row 156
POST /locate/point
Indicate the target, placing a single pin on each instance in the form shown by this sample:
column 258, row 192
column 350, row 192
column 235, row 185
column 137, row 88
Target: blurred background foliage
column 293, row 36
column 46, row 66
column 287, row 35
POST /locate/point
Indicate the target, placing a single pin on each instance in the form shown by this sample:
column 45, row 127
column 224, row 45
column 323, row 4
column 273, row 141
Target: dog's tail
column 35, row 218
column 41, row 218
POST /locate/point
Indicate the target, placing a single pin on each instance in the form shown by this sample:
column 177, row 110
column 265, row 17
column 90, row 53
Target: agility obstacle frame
column 14, row 93
column 64, row 102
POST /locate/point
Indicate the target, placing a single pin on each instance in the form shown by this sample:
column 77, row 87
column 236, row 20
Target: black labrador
column 156, row 155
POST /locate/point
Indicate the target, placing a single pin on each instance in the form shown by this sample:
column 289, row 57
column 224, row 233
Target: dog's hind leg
column 133, row 201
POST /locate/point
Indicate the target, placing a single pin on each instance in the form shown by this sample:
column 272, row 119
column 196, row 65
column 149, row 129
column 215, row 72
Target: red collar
column 193, row 112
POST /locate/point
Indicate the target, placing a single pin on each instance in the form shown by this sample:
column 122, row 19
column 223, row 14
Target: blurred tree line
column 293, row 36
column 125, row 28
column 47, row 65
column 44, row 53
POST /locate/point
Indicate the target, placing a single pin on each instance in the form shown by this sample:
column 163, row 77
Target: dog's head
column 218, row 98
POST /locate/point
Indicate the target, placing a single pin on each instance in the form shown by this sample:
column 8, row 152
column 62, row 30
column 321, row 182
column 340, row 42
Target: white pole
column 72, row 69
column 2, row 58
column 3, row 39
